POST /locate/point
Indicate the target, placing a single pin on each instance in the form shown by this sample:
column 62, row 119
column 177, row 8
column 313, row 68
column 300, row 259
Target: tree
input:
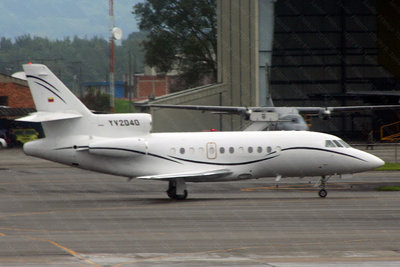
column 74, row 60
column 95, row 100
column 182, row 35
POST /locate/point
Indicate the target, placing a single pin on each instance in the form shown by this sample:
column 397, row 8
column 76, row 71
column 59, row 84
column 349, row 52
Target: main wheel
column 173, row 195
column 172, row 188
column 170, row 194
column 181, row 197
column 322, row 193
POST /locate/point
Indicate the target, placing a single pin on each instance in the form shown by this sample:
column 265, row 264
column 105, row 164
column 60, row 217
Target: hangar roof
column 12, row 113
column 7, row 79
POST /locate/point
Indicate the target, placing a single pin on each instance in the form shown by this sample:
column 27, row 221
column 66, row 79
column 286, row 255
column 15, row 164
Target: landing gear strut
column 177, row 189
column 322, row 184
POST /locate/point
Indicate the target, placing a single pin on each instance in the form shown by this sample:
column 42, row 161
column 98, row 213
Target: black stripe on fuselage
column 226, row 163
column 122, row 149
column 324, row 150
column 271, row 156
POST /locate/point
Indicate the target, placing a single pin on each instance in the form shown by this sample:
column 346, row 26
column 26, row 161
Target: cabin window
column 201, row 150
column 259, row 149
column 241, row 150
column 182, row 150
column 222, row 150
column 191, row 150
column 337, row 143
column 172, row 151
column 269, row 149
column 231, row 150
column 329, row 143
column 250, row 149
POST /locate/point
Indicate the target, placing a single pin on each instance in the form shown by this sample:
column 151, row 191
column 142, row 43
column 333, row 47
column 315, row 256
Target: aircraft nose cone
column 370, row 161
column 376, row 162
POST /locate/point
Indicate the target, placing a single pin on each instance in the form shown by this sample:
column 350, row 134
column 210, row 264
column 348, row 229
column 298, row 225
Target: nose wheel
column 322, row 193
column 322, row 185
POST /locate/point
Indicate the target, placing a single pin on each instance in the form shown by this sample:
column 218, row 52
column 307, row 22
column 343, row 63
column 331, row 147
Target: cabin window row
column 222, row 150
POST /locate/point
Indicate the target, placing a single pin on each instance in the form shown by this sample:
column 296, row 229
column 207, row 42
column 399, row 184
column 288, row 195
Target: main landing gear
column 322, row 185
column 177, row 189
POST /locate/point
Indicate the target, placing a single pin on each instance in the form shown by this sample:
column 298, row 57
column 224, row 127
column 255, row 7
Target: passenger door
column 211, row 150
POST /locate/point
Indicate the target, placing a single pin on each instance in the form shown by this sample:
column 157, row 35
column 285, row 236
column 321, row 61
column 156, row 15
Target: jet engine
column 324, row 114
column 121, row 147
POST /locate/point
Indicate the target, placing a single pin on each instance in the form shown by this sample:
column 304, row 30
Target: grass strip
column 389, row 167
column 122, row 106
column 389, row 188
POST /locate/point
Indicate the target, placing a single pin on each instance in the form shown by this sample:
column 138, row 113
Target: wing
column 345, row 108
column 190, row 176
column 250, row 113
column 248, row 110
column 374, row 93
column 226, row 109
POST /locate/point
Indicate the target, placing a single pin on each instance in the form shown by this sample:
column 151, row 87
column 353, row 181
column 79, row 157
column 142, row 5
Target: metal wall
column 322, row 51
column 238, row 69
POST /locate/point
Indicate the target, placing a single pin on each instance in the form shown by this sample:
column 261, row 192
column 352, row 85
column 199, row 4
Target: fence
column 389, row 152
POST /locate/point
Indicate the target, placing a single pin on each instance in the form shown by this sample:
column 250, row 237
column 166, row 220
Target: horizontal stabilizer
column 43, row 116
column 189, row 175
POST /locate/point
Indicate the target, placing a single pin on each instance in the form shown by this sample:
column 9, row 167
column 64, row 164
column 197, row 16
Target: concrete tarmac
column 55, row 215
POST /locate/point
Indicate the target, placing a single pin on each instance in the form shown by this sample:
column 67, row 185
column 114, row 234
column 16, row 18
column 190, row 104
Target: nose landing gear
column 322, row 185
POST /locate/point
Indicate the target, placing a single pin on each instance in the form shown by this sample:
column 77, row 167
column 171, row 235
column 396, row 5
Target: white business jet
column 122, row 144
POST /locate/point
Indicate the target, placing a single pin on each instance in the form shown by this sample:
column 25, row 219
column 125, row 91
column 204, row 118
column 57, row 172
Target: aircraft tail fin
column 63, row 114
column 50, row 94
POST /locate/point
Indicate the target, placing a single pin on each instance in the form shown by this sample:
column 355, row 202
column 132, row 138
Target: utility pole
column 131, row 80
column 115, row 34
column 112, row 83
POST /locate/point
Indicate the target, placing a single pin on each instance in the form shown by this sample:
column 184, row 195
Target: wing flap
column 192, row 176
column 43, row 116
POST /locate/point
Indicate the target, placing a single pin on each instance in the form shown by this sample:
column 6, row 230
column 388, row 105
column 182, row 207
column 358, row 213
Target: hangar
column 315, row 53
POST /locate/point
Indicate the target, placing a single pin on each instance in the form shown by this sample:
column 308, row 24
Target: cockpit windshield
column 336, row 143
column 344, row 143
column 329, row 143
